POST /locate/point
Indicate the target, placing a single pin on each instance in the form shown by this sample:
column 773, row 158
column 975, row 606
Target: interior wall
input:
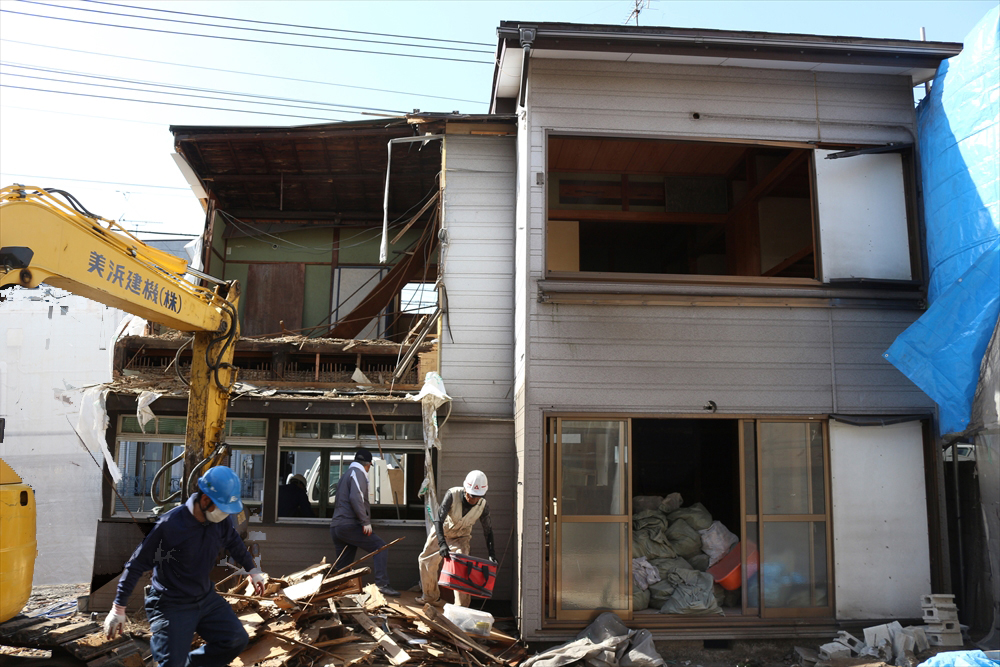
column 880, row 540
column 52, row 343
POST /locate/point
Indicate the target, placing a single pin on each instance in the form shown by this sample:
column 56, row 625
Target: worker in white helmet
column 461, row 507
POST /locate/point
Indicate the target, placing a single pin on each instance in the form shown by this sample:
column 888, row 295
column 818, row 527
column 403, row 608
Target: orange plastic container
column 727, row 571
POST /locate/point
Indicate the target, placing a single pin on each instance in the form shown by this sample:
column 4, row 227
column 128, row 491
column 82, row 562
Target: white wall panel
column 881, row 547
column 862, row 217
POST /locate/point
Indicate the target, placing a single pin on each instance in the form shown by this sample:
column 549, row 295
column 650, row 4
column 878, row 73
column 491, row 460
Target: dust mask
column 215, row 515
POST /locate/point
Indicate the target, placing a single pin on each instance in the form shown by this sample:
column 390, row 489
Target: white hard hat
column 296, row 478
column 475, row 483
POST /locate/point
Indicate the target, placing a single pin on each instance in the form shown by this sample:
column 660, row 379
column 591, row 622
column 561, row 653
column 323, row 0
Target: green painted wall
column 305, row 245
column 359, row 245
column 316, row 305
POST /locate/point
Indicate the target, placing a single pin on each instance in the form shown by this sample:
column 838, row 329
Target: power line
column 169, row 104
column 346, row 107
column 263, row 30
column 244, row 39
column 292, row 25
column 230, row 71
column 84, row 180
column 164, row 92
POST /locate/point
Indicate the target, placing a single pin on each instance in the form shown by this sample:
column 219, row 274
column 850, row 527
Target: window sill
column 652, row 289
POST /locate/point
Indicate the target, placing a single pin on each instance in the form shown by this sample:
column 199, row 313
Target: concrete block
column 851, row 642
column 938, row 615
column 945, row 638
column 943, row 627
column 894, row 629
column 919, row 637
column 834, row 650
column 902, row 643
column 937, row 599
column 876, row 634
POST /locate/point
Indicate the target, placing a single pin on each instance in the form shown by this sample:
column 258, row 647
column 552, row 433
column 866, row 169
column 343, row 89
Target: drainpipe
column 527, row 39
column 383, row 251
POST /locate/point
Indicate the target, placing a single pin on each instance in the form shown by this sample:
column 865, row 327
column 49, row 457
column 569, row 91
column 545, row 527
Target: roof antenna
column 639, row 6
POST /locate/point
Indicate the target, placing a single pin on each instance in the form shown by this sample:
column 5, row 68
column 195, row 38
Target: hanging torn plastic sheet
column 431, row 397
column 142, row 410
column 92, row 425
column 958, row 132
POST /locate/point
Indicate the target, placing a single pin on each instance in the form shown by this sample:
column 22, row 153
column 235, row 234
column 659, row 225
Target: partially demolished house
column 667, row 265
column 334, row 341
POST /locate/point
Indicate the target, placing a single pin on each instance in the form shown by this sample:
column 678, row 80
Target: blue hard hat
column 222, row 486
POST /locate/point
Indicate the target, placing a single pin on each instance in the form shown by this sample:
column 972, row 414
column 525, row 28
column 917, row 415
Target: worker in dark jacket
column 293, row 499
column 182, row 549
column 351, row 525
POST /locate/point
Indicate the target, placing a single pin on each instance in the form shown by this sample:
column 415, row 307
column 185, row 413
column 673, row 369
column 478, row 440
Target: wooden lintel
column 770, row 181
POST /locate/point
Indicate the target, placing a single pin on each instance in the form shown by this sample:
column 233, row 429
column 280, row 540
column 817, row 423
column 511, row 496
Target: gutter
column 527, row 37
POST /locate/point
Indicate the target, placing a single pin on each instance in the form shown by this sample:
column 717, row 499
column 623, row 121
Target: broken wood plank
column 304, row 589
column 436, row 620
column 262, row 649
column 73, row 631
column 397, row 656
column 308, row 573
column 375, row 598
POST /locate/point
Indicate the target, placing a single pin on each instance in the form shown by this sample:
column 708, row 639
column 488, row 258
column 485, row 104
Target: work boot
column 388, row 590
column 437, row 603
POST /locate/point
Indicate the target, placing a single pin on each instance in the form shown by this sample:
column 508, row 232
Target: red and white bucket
column 468, row 574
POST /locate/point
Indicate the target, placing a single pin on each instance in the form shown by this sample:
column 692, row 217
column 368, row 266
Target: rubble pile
column 317, row 617
column 889, row 643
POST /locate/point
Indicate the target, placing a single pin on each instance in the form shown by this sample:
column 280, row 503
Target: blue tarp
column 959, row 144
column 959, row 659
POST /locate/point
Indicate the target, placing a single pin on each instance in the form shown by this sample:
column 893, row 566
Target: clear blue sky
column 115, row 154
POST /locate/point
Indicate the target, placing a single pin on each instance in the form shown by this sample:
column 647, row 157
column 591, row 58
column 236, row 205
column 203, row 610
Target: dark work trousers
column 348, row 537
column 173, row 624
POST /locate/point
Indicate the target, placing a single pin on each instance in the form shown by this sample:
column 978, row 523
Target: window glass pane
column 753, row 566
column 366, row 431
column 792, row 468
column 248, row 428
column 131, row 425
column 750, row 465
column 793, row 565
column 338, row 431
column 292, row 429
column 418, row 298
column 590, row 566
column 592, row 468
column 170, row 425
column 139, row 462
column 411, row 431
column 248, row 464
column 303, row 462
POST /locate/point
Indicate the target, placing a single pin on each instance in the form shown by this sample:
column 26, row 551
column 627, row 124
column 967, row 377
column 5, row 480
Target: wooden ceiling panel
column 614, row 155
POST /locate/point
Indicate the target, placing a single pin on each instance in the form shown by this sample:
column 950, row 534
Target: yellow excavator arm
column 59, row 242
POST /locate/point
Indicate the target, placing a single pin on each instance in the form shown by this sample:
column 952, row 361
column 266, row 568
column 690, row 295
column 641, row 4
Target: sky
column 78, row 109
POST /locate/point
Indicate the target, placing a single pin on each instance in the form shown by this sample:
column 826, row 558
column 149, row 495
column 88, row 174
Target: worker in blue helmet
column 181, row 549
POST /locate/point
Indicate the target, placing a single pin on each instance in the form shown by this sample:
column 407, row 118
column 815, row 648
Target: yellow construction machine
column 47, row 236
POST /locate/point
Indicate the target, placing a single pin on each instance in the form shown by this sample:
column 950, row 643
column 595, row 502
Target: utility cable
column 49, row 70
column 262, row 30
column 176, row 94
column 170, row 104
column 245, row 39
column 291, row 25
column 231, row 71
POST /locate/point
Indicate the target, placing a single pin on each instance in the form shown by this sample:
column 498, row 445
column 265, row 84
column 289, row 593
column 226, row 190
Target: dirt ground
column 60, row 599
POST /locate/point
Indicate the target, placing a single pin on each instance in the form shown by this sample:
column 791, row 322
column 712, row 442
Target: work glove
column 444, row 551
column 114, row 624
column 493, row 557
column 367, row 529
column 257, row 579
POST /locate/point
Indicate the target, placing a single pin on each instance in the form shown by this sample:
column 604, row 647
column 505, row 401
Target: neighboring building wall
column 475, row 350
column 54, row 343
column 670, row 359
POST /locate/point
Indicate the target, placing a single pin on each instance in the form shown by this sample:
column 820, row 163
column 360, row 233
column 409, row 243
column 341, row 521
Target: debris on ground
column 891, row 643
column 318, row 617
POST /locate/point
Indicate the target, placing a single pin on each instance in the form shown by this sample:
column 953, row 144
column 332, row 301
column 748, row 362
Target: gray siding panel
column 478, row 266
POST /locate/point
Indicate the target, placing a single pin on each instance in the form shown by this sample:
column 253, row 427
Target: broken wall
column 53, row 343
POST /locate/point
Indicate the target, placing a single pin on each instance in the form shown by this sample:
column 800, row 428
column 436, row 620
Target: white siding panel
column 478, row 266
column 882, row 558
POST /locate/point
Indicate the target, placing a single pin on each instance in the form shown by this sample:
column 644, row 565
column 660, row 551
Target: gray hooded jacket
column 351, row 504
